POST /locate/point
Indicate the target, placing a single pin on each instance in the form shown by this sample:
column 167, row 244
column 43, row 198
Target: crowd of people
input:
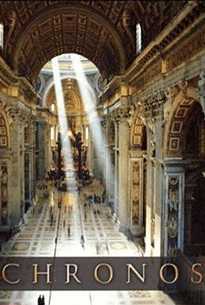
column 91, row 196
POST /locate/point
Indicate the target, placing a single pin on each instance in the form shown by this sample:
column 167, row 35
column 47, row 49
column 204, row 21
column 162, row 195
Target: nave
column 102, row 237
column 112, row 90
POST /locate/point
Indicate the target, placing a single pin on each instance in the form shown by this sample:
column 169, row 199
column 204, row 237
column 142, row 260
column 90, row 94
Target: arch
column 138, row 134
column 51, row 84
column 174, row 135
column 194, row 211
column 74, row 30
column 71, row 94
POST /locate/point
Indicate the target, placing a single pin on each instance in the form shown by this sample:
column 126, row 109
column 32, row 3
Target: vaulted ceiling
column 102, row 31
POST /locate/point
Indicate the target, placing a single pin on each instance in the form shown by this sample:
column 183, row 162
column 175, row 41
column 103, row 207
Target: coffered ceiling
column 102, row 31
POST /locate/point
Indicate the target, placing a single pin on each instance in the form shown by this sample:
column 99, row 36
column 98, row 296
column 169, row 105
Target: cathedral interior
column 102, row 109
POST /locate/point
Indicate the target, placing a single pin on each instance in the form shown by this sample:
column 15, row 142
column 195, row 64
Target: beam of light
column 64, row 129
column 71, row 181
column 90, row 102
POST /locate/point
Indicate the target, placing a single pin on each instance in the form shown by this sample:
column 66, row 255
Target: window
column 52, row 133
column 138, row 38
column 52, row 107
column 1, row 35
column 86, row 133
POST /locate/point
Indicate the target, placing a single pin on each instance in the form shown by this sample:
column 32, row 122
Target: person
column 89, row 201
column 70, row 209
column 43, row 300
column 107, row 247
column 97, row 248
column 69, row 230
column 51, row 220
column 82, row 241
column 50, row 210
column 39, row 300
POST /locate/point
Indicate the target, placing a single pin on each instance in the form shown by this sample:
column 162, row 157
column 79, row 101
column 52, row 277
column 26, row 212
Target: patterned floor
column 101, row 237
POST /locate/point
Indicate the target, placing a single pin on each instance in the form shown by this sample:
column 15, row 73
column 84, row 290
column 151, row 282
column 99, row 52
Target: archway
column 77, row 123
column 184, row 200
column 194, row 207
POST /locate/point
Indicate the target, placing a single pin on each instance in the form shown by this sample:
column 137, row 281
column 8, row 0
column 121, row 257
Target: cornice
column 148, row 65
column 10, row 82
column 155, row 49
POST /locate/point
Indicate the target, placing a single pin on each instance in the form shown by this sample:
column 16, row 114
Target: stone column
column 22, row 163
column 47, row 144
column 43, row 143
column 116, row 173
column 49, row 148
column 33, row 159
column 15, row 183
column 123, row 173
column 109, row 166
column 150, row 221
column 29, row 163
column 174, row 209
column 136, row 196
column 154, row 114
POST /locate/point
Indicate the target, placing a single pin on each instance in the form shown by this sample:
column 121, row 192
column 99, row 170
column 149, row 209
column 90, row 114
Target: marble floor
column 102, row 237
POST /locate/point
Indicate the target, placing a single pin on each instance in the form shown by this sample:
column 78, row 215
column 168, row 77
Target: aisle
column 101, row 238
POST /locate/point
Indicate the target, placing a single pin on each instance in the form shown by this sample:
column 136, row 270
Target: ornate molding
column 151, row 58
column 153, row 106
column 16, row 111
column 125, row 111
column 9, row 80
column 187, row 49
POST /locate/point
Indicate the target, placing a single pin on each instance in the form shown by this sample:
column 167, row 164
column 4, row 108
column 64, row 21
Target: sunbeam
column 90, row 104
column 71, row 180
column 64, row 128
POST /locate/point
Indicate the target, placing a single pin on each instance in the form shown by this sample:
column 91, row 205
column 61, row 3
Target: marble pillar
column 109, row 166
column 29, row 165
column 33, row 160
column 136, row 196
column 123, row 174
column 48, row 150
column 116, row 170
column 15, row 174
column 42, row 149
column 174, row 209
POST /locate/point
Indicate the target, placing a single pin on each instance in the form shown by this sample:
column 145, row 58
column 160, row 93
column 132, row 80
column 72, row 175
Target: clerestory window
column 1, row 35
column 138, row 38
